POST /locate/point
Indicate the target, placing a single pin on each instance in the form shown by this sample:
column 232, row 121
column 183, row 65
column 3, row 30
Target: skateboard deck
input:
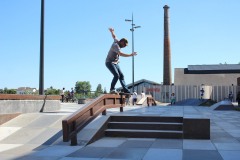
column 122, row 93
column 126, row 94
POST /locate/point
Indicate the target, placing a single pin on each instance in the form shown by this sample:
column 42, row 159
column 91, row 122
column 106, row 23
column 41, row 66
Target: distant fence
column 162, row 93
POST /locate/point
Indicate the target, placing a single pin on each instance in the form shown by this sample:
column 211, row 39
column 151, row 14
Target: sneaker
column 113, row 91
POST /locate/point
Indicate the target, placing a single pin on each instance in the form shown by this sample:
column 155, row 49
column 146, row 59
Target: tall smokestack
column 167, row 78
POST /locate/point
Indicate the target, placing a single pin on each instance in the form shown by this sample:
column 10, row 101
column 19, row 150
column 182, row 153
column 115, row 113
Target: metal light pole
column 132, row 30
column 41, row 70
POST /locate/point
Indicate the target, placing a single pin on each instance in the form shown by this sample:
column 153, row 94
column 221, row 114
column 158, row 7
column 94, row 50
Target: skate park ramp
column 191, row 102
column 32, row 132
column 223, row 105
column 142, row 101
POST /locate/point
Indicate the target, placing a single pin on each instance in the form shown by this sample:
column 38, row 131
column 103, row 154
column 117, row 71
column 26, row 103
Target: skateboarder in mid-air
column 112, row 61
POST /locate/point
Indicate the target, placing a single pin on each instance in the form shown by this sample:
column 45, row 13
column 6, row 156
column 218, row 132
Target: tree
column 105, row 91
column 99, row 90
column 52, row 91
column 9, row 91
column 83, row 89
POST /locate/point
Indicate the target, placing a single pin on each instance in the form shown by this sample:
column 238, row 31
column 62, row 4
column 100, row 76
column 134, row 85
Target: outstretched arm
column 112, row 33
column 127, row 55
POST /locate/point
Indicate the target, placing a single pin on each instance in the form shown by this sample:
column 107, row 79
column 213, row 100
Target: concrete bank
column 12, row 103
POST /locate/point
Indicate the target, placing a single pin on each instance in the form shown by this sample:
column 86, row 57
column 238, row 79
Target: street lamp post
column 41, row 70
column 132, row 30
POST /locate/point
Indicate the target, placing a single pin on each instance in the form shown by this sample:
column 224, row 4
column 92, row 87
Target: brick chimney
column 167, row 78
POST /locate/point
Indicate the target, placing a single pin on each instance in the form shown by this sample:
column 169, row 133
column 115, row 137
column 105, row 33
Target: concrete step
column 145, row 119
column 146, row 125
column 133, row 133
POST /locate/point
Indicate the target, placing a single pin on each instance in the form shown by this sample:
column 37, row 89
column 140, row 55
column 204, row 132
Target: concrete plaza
column 39, row 136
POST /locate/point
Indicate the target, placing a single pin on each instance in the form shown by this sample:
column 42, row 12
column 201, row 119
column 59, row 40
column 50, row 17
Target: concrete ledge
column 11, row 103
column 196, row 128
column 28, row 97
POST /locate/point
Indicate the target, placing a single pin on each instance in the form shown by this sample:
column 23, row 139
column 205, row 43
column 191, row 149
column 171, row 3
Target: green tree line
column 83, row 89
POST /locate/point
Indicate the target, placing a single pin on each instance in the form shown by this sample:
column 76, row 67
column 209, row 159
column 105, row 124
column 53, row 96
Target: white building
column 26, row 90
column 217, row 75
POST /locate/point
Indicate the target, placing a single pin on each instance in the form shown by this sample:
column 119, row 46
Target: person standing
column 134, row 98
column 112, row 61
column 238, row 98
column 62, row 94
column 173, row 98
column 230, row 96
column 72, row 94
column 142, row 95
column 202, row 93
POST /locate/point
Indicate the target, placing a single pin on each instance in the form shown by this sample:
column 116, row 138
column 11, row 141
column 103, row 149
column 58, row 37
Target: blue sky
column 77, row 39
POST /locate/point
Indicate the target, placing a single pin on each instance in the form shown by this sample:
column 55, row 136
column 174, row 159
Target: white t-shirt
column 113, row 52
column 134, row 95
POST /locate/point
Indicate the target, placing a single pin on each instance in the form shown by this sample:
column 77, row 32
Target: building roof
column 143, row 81
column 213, row 69
column 139, row 82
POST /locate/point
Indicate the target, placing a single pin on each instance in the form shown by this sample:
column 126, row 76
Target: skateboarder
column 112, row 61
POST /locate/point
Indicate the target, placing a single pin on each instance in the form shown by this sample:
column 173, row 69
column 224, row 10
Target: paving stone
column 76, row 158
column 136, row 144
column 168, row 144
column 168, row 154
column 201, row 155
column 92, row 152
column 227, row 146
column 56, row 151
column 128, row 153
column 198, row 144
column 108, row 142
column 230, row 155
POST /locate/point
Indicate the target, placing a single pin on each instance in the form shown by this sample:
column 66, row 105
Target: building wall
column 217, row 93
column 147, row 88
column 207, row 79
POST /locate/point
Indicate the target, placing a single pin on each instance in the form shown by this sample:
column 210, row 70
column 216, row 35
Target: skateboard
column 127, row 95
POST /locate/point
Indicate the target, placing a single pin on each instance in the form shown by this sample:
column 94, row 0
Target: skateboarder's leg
column 122, row 81
column 113, row 69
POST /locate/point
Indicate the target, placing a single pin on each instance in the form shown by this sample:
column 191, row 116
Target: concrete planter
column 16, row 103
column 81, row 100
